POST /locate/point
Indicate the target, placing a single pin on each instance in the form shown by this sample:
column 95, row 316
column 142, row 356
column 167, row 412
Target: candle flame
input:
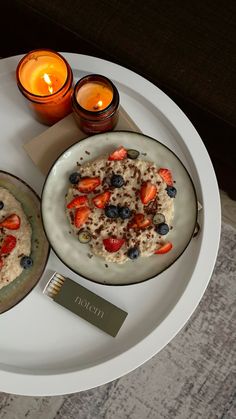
column 47, row 80
column 98, row 105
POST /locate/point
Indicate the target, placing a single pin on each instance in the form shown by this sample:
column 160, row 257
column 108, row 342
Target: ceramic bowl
column 76, row 255
column 13, row 293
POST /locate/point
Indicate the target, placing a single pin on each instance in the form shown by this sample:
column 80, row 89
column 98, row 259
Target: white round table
column 45, row 349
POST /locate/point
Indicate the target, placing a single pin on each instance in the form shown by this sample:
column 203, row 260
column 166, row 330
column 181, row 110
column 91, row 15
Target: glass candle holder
column 95, row 104
column 46, row 80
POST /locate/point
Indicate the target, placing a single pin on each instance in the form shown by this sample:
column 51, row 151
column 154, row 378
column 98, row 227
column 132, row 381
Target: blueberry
column 111, row 211
column 162, row 229
column 124, row 212
column 171, row 191
column 26, row 262
column 74, row 178
column 133, row 253
column 117, row 181
column 1, row 205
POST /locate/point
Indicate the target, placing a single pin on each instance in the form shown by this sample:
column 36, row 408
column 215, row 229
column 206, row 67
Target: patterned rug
column 193, row 377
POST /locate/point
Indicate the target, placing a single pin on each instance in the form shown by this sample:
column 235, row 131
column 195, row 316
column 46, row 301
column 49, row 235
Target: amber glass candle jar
column 46, row 80
column 95, row 104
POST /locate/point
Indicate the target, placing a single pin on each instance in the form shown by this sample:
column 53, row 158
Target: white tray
column 45, row 349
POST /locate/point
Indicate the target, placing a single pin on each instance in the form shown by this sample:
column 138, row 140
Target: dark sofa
column 186, row 48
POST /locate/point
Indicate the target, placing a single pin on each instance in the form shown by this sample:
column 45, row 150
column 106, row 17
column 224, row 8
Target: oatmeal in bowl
column 121, row 206
column 24, row 249
column 15, row 238
column 118, row 208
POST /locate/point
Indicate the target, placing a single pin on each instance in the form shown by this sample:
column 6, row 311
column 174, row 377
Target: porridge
column 15, row 238
column 122, row 206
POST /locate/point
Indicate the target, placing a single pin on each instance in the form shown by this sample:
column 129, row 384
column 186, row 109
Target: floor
column 228, row 209
column 193, row 377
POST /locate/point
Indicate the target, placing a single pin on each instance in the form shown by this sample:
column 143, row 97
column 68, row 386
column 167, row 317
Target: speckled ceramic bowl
column 13, row 293
column 74, row 254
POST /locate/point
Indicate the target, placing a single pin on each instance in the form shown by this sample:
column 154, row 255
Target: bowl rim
column 49, row 246
column 152, row 276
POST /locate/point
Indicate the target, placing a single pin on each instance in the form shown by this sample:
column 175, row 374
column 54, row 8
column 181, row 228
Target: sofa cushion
column 187, row 47
column 186, row 50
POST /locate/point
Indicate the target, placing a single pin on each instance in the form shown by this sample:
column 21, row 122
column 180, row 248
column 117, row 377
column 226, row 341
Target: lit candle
column 94, row 96
column 45, row 78
column 95, row 103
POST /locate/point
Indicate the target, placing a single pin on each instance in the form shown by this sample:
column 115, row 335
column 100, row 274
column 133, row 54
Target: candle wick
column 98, row 105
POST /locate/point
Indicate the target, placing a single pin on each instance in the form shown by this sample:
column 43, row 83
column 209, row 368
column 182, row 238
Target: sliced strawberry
column 139, row 221
column 11, row 223
column 88, row 184
column 81, row 215
column 145, row 223
column 102, row 199
column 164, row 249
column 1, row 263
column 166, row 176
column 119, row 154
column 148, row 192
column 113, row 244
column 8, row 244
column 78, row 201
